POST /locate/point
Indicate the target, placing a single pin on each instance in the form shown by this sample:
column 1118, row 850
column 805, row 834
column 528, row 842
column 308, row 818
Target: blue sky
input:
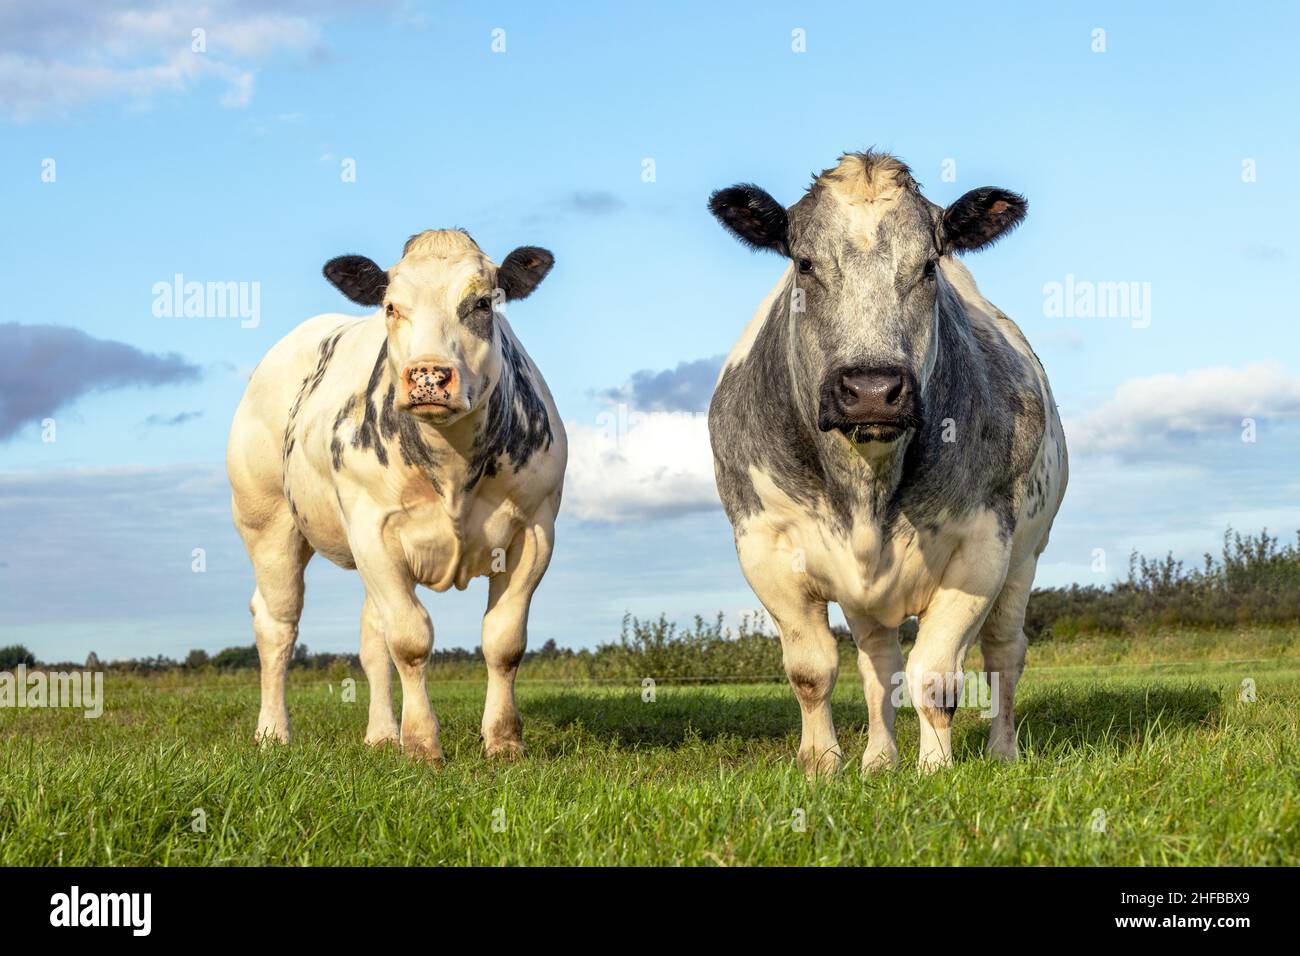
column 1166, row 161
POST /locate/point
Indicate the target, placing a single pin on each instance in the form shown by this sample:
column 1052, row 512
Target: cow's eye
column 389, row 310
column 484, row 302
column 928, row 271
column 805, row 266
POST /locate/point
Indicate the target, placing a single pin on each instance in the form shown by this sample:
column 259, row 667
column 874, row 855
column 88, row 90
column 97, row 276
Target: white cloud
column 30, row 90
column 1154, row 415
column 632, row 465
column 240, row 91
column 260, row 36
column 61, row 55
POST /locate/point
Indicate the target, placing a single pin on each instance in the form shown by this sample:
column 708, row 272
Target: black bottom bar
column 334, row 905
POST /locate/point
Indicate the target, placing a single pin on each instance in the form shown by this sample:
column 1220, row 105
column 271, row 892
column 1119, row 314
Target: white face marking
column 864, row 200
column 426, row 291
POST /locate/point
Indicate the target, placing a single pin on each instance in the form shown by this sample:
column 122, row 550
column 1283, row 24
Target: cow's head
column 866, row 249
column 439, row 304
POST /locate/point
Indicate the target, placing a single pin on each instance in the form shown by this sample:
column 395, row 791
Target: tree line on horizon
column 1255, row 580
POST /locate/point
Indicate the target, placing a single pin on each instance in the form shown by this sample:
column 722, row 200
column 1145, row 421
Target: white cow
column 418, row 445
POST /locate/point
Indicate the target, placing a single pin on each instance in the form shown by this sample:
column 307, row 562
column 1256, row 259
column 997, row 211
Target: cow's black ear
column 358, row 278
column 979, row 219
column 523, row 271
column 753, row 217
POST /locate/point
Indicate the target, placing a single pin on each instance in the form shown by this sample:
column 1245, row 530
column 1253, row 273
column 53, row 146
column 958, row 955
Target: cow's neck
column 868, row 477
column 509, row 424
column 432, row 454
column 454, row 443
column 440, row 455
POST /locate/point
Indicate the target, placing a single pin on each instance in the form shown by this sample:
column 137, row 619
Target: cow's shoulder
column 522, row 441
column 1018, row 389
column 986, row 417
column 297, row 359
column 338, row 369
column 755, row 425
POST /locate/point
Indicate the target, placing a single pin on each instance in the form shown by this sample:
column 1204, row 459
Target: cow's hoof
column 383, row 739
column 423, row 753
column 820, row 764
column 932, row 762
column 504, row 749
column 879, row 759
column 267, row 737
column 1002, row 751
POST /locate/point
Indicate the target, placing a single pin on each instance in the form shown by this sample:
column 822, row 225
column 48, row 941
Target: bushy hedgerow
column 1254, row 580
column 14, row 655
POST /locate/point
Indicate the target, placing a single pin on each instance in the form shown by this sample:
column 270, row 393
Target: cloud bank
column 633, row 466
column 648, row 455
column 1160, row 415
column 686, row 388
column 60, row 55
column 45, row 367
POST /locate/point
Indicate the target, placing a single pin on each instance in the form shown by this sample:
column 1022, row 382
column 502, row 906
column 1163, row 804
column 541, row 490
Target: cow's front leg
column 808, row 648
column 408, row 633
column 505, row 632
column 812, row 663
column 880, row 661
column 948, row 627
column 381, row 728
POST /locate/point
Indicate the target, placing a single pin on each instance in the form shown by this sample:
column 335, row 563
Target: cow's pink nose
column 428, row 383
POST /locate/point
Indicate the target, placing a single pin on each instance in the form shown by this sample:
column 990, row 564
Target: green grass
column 1184, row 772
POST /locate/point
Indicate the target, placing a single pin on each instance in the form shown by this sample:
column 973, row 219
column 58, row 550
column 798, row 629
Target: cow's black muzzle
column 870, row 404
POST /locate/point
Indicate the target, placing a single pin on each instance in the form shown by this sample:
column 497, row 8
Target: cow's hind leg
column 381, row 728
column 1003, row 645
column 880, row 661
column 279, row 555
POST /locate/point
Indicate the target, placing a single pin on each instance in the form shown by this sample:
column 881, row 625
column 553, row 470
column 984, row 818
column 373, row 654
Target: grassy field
column 1119, row 730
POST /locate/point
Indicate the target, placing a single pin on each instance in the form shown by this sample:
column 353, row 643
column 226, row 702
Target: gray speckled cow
column 418, row 445
column 885, row 439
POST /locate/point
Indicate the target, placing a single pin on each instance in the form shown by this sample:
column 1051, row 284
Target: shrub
column 14, row 655
column 1254, row 580
column 235, row 658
